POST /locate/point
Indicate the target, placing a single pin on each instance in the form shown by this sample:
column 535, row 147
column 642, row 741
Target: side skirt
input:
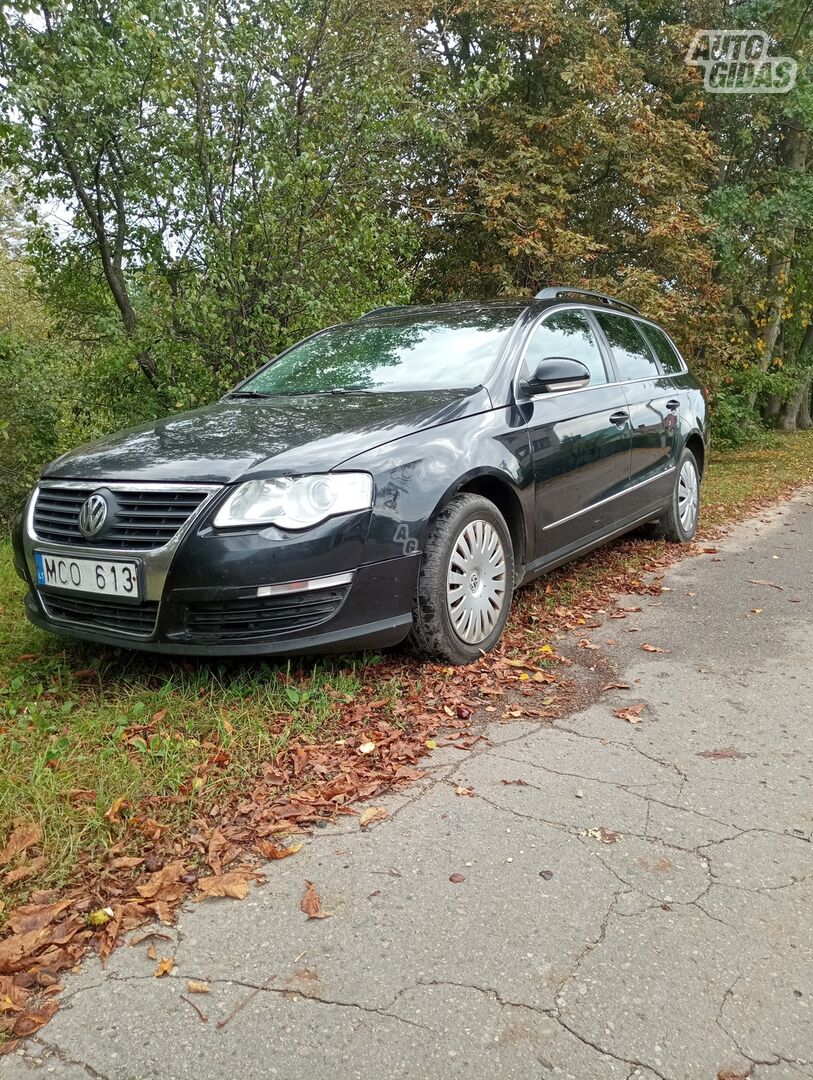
column 559, row 558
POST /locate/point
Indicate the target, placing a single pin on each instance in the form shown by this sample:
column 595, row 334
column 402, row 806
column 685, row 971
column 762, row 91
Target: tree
column 219, row 162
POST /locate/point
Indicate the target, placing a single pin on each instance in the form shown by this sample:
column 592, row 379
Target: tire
column 465, row 583
column 679, row 523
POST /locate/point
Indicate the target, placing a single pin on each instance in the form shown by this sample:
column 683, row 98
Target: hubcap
column 687, row 496
column 475, row 582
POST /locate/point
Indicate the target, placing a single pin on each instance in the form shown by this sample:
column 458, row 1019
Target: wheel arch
column 697, row 446
column 499, row 490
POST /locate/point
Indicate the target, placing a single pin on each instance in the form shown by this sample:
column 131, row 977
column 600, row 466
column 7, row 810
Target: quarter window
column 663, row 349
column 567, row 334
column 631, row 352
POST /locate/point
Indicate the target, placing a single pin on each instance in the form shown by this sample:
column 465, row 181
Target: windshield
column 448, row 351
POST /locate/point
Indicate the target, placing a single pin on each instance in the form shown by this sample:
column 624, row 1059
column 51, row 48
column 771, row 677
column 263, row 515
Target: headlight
column 296, row 502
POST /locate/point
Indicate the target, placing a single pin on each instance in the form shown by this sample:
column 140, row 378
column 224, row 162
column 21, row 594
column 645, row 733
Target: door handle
column 673, row 404
column 619, row 418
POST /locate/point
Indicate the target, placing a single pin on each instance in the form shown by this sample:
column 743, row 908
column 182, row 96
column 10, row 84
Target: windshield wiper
column 342, row 390
column 337, row 390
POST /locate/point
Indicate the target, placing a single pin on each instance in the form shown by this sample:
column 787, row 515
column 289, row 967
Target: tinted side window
column 566, row 333
column 663, row 349
column 631, row 352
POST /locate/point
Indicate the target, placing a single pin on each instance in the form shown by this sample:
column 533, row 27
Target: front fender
column 416, row 475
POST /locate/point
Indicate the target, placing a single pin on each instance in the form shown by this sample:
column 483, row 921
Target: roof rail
column 386, row 308
column 556, row 291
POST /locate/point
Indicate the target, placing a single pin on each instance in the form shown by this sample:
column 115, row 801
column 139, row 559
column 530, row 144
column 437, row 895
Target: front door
column 580, row 439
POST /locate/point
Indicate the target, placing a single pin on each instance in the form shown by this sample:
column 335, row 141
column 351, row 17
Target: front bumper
column 224, row 594
column 376, row 614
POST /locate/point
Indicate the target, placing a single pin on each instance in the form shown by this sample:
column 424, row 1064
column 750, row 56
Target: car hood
column 237, row 438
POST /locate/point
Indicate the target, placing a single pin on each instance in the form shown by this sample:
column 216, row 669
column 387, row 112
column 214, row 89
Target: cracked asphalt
column 682, row 950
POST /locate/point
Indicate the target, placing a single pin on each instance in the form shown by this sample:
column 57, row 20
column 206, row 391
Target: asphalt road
column 682, row 949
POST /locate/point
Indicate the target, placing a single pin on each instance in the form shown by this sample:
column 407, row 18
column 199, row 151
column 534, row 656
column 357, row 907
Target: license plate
column 101, row 577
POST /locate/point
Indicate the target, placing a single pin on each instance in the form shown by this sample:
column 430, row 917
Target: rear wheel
column 465, row 583
column 679, row 523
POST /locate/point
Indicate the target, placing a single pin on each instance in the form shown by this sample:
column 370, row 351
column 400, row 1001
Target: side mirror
column 556, row 373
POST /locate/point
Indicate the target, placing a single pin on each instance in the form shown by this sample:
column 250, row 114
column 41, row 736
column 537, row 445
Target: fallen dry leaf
column 198, row 986
column 456, row 878
column 29, row 1022
column 652, row 648
column 371, row 814
column 113, row 813
column 311, row 903
column 152, row 952
column 26, row 870
column 543, row 677
column 615, row 686
column 367, row 748
column 165, row 967
column 22, row 837
column 518, row 783
column 632, row 713
column 165, row 884
column 770, row 584
column 233, row 884
column 271, row 851
column 460, row 790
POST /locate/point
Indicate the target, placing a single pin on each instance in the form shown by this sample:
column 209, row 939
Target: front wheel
column 679, row 523
column 465, row 583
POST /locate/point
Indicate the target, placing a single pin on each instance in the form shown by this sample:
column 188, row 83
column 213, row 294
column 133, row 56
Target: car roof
column 455, row 307
column 515, row 306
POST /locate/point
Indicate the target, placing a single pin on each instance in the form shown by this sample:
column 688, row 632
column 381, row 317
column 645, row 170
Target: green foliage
column 228, row 177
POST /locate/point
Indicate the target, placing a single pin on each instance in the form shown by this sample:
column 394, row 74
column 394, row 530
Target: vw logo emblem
column 92, row 515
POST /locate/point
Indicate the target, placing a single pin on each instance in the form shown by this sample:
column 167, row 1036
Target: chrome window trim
column 592, row 386
column 156, row 561
column 524, row 350
column 610, row 498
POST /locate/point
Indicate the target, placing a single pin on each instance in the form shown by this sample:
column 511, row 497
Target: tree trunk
column 796, row 414
column 771, row 409
column 789, row 417
column 804, row 421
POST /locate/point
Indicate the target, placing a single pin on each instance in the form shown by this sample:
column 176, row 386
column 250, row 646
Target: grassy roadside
column 102, row 749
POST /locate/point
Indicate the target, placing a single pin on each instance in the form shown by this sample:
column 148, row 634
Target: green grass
column 82, row 727
column 739, row 480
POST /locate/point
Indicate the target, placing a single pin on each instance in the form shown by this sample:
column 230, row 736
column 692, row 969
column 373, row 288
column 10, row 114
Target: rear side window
column 568, row 334
column 663, row 349
column 631, row 352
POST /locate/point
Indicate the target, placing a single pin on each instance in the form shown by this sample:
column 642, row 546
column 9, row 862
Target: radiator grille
column 138, row 520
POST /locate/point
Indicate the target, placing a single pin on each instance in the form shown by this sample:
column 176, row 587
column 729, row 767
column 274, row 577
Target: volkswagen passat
column 397, row 476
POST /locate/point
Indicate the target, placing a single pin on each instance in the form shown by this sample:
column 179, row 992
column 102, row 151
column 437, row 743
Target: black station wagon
column 397, row 476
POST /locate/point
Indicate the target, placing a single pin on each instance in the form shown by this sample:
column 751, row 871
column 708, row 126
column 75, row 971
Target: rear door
column 653, row 402
column 580, row 439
